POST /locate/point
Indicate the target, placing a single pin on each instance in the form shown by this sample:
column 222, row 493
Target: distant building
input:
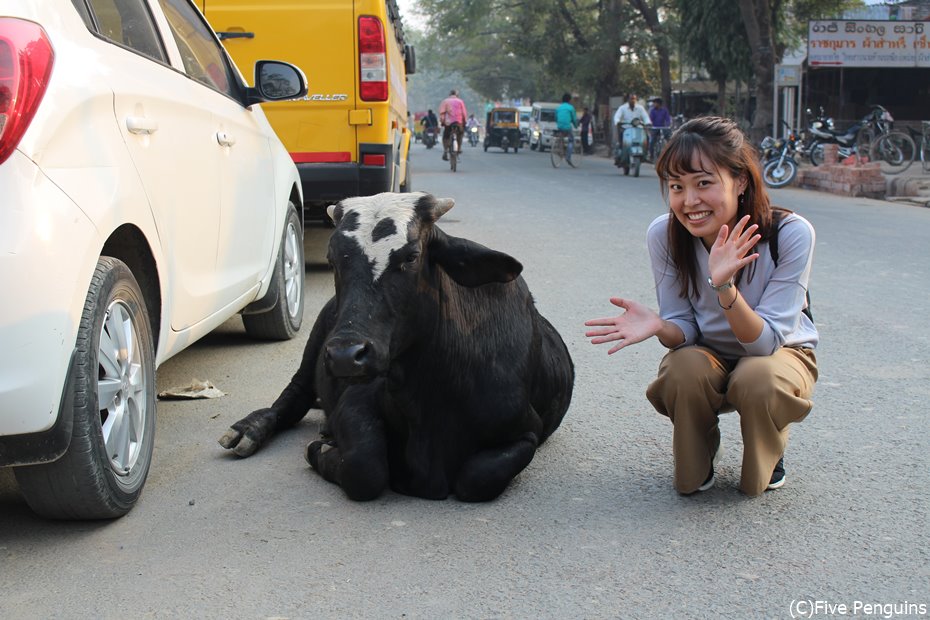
column 872, row 55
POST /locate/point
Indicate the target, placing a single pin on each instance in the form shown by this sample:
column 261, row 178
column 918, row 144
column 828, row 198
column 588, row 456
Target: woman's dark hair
column 721, row 142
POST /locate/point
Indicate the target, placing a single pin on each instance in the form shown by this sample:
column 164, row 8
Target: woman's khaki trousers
column 695, row 385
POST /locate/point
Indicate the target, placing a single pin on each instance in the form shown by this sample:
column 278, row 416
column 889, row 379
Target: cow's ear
column 469, row 263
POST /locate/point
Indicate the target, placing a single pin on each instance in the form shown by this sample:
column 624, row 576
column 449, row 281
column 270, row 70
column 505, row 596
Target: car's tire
column 102, row 473
column 283, row 320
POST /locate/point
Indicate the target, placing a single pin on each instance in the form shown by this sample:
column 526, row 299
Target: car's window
column 203, row 57
column 129, row 23
column 547, row 116
column 84, row 12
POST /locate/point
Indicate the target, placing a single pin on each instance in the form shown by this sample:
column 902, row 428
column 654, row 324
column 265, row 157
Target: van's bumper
column 326, row 183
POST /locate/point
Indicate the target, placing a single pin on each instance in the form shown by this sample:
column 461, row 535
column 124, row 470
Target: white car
column 146, row 200
column 543, row 126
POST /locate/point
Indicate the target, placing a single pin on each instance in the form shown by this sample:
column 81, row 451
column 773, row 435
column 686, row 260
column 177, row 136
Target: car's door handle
column 227, row 34
column 141, row 125
column 225, row 139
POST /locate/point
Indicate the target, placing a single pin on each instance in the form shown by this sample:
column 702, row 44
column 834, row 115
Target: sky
column 406, row 12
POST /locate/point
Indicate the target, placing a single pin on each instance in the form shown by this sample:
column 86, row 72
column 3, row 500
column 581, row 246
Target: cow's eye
column 410, row 260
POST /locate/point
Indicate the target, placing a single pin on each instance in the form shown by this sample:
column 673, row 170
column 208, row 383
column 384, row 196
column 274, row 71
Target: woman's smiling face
column 705, row 200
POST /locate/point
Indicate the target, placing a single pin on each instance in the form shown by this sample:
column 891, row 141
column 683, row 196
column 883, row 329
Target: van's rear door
column 319, row 37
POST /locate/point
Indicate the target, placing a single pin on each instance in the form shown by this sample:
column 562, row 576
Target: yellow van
column 349, row 136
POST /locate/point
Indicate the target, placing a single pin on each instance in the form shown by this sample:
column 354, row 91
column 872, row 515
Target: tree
column 771, row 25
column 714, row 41
column 577, row 45
column 661, row 40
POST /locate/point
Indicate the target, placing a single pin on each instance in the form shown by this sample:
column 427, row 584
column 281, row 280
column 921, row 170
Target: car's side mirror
column 276, row 81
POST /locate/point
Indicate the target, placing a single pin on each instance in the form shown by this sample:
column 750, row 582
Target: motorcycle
column 429, row 137
column 630, row 150
column 854, row 140
column 473, row 135
column 779, row 167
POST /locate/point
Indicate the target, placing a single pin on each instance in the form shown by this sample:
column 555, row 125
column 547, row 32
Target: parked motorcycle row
column 872, row 138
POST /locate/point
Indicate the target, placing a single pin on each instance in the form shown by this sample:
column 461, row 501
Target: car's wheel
column 113, row 384
column 283, row 320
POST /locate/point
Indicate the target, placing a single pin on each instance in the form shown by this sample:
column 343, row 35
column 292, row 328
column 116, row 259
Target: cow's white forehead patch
column 371, row 211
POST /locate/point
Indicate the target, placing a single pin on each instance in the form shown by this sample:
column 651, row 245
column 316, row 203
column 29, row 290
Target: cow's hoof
column 239, row 443
column 315, row 449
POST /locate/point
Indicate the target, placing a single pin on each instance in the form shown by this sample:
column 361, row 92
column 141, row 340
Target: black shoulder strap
column 778, row 217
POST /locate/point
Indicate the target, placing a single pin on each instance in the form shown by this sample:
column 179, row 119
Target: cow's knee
column 362, row 476
column 364, row 479
column 486, row 474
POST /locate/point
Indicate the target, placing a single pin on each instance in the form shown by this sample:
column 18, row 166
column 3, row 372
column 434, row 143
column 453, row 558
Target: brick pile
column 845, row 178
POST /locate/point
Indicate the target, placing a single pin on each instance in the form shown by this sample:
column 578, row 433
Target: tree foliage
column 538, row 49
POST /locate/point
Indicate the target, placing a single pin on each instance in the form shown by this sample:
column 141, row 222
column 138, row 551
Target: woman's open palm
column 636, row 324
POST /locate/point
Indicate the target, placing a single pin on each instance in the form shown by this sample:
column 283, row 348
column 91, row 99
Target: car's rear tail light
column 373, row 160
column 372, row 60
column 26, row 59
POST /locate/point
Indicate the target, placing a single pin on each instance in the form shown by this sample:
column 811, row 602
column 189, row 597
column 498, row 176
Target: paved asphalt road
column 592, row 528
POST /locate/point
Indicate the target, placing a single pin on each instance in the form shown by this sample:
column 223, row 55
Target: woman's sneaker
column 778, row 475
column 711, row 478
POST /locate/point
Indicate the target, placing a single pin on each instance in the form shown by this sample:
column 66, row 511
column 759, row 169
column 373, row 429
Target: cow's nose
column 348, row 359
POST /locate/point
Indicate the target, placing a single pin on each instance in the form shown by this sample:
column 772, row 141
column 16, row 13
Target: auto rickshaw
column 503, row 129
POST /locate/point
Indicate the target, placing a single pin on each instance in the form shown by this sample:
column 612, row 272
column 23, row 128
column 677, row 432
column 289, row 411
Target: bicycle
column 922, row 141
column 453, row 146
column 662, row 134
column 559, row 149
column 894, row 151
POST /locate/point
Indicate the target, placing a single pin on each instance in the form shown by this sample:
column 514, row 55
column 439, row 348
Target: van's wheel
column 283, row 320
column 112, row 380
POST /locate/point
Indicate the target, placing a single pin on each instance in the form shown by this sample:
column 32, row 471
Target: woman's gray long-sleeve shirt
column 777, row 294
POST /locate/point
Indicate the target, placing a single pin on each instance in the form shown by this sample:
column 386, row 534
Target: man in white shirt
column 625, row 115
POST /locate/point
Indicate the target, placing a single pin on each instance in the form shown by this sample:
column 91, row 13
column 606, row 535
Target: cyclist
column 661, row 125
column 452, row 115
column 565, row 121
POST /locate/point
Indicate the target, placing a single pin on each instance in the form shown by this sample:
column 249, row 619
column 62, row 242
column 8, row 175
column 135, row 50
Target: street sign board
column 857, row 43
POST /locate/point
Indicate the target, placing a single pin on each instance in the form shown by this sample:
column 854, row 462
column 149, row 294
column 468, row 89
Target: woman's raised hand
column 729, row 252
column 637, row 323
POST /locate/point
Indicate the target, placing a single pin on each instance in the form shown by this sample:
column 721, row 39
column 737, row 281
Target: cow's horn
column 443, row 205
column 331, row 212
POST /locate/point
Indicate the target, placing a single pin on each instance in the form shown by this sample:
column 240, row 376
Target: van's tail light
column 372, row 59
column 26, row 59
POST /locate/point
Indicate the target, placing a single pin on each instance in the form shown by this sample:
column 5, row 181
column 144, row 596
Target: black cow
column 434, row 369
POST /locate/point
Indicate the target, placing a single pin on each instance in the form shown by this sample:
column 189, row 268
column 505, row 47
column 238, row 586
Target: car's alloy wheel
column 283, row 320
column 102, row 473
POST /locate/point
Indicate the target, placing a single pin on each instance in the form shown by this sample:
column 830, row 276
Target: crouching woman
column 731, row 275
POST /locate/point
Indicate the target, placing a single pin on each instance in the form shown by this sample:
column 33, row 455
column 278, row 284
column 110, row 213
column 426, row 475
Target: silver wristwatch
column 726, row 285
